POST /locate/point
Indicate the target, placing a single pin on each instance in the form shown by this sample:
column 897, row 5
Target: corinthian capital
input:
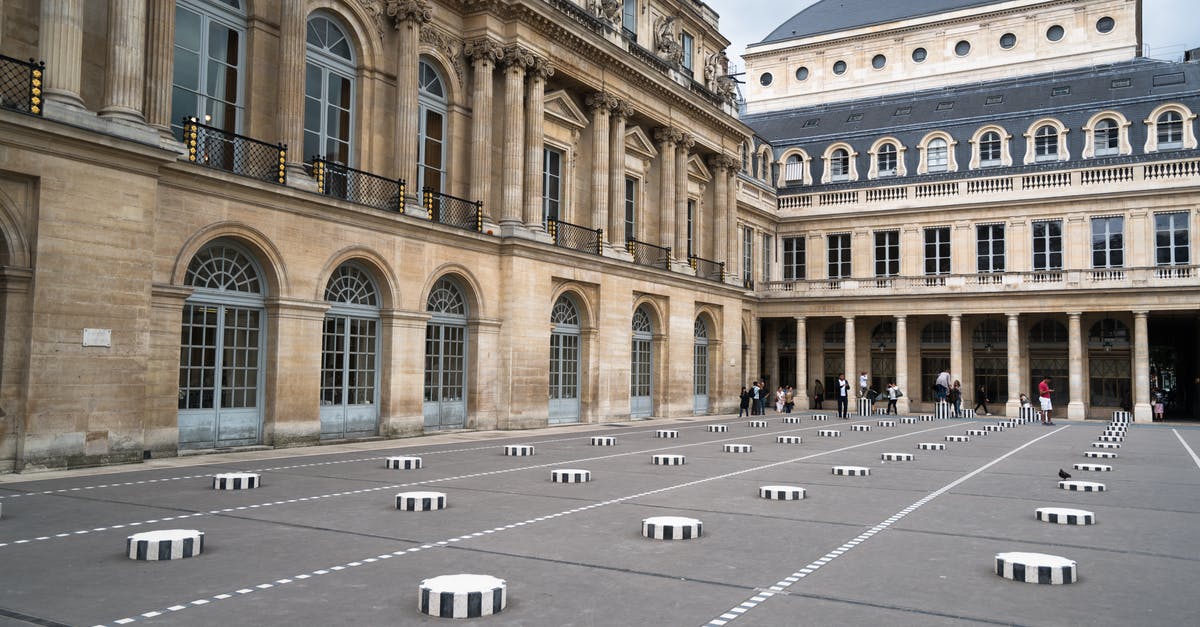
column 541, row 68
column 720, row 163
column 622, row 109
column 601, row 101
column 401, row 11
column 518, row 57
column 685, row 141
column 666, row 135
column 483, row 50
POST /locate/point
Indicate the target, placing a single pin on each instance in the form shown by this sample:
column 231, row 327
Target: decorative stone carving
column 666, row 40
column 375, row 9
column 601, row 100
column 540, row 68
column 685, row 141
column 609, row 10
column 721, row 163
column 401, row 11
column 483, row 49
column 518, row 56
column 667, row 135
column 622, row 109
column 715, row 66
column 449, row 46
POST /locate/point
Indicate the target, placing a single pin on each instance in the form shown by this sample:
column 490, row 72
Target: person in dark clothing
column 954, row 397
column 981, row 399
column 744, row 403
column 843, row 397
column 818, row 394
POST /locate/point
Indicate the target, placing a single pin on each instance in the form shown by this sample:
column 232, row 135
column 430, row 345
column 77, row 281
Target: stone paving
column 321, row 542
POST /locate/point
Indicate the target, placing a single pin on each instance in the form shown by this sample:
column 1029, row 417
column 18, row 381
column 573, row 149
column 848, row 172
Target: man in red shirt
column 1044, row 391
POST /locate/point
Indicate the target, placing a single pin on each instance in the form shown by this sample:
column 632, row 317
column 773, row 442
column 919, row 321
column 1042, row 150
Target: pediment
column 639, row 144
column 560, row 107
column 697, row 169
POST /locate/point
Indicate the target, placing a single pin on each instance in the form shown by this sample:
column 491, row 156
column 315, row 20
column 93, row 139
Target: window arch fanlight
column 835, row 335
column 328, row 90
column 991, row 333
column 765, row 161
column 431, row 131
column 565, row 313
column 641, row 321
column 1046, row 140
column 352, row 285
column 446, row 299
column 936, row 333
column 796, row 169
column 990, row 148
column 1048, row 332
column 884, row 335
column 887, row 159
column 840, row 164
column 700, row 329
column 1106, row 134
column 1108, row 334
column 224, row 267
column 746, row 157
column 1170, row 127
column 937, row 153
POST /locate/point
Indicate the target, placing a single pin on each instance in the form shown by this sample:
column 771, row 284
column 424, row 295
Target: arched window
column 349, row 355
column 885, row 160
column 990, row 150
column 793, row 170
column 221, row 350
column 328, row 91
column 835, row 335
column 839, row 165
column 990, row 334
column 1169, row 127
column 937, row 156
column 1048, row 332
column 936, row 333
column 1045, row 143
column 700, row 367
column 431, row 131
column 209, row 64
column 446, row 357
column 564, row 361
column 1107, row 137
column 640, row 364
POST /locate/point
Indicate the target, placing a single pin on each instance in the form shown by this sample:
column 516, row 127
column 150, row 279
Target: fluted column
column 60, row 45
column 732, row 261
column 720, row 213
column 1075, row 407
column 1015, row 384
column 160, row 65
column 615, row 233
column 1142, row 411
column 801, row 357
column 123, row 82
column 956, row 360
column 682, row 148
column 409, row 16
column 484, row 54
column 511, row 205
column 902, row 363
column 535, row 131
column 851, row 363
column 600, row 104
column 666, row 138
column 290, row 121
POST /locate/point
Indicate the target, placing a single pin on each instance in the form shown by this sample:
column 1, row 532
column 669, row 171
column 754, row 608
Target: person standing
column 954, row 396
column 1159, row 403
column 892, row 394
column 1044, row 391
column 818, row 394
column 942, row 386
column 863, row 382
column 789, row 399
column 744, row 402
column 755, row 391
column 981, row 399
column 843, row 397
column 779, row 396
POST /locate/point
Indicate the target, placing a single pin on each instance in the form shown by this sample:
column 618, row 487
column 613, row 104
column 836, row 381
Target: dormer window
column 990, row 150
column 839, row 166
column 793, row 170
column 1108, row 137
column 886, row 161
column 1045, row 143
column 937, row 156
column 1170, row 130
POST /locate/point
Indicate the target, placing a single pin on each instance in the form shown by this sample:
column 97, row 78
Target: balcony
column 21, row 85
column 453, row 211
column 645, row 254
column 1156, row 277
column 575, row 237
column 707, row 268
column 219, row 149
column 356, row 186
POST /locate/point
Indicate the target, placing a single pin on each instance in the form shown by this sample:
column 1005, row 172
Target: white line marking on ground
column 1189, row 449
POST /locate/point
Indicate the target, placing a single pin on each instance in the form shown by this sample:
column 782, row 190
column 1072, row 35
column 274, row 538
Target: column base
column 682, row 267
column 902, row 405
column 1012, row 409
column 1142, row 412
column 1076, row 411
column 617, row 251
column 124, row 114
column 297, row 178
column 513, row 229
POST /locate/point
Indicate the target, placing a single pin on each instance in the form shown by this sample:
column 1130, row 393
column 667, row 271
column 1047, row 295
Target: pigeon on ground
column 1062, row 474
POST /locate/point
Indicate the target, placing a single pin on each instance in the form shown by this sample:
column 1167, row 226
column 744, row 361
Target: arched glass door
column 328, row 91
column 220, row 351
column 640, row 372
column 700, row 368
column 349, row 349
column 431, row 120
column 446, row 357
column 564, row 362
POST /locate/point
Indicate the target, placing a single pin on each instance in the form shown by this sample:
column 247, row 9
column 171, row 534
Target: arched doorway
column 935, row 358
column 1048, row 357
column 221, row 350
column 989, row 346
column 833, row 358
column 1109, row 372
column 641, row 366
column 883, row 356
column 349, row 350
column 564, row 361
column 446, row 357
column 700, row 367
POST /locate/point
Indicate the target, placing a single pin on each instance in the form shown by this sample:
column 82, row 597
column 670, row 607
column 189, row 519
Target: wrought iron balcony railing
column 707, row 268
column 219, row 149
column 575, row 237
column 357, row 186
column 645, row 254
column 453, row 211
column 21, row 85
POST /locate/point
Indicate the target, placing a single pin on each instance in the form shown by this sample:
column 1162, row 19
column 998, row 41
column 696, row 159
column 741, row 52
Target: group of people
column 753, row 400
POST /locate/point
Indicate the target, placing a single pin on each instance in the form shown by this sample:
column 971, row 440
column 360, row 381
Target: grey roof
column 827, row 16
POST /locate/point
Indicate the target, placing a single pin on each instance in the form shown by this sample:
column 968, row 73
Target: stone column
column 851, row 364
column 123, row 82
column 512, row 199
column 721, row 234
column 60, row 45
column 615, row 231
column 409, row 16
column 535, row 122
column 1075, row 407
column 291, row 89
column 956, row 350
column 1015, row 380
column 801, row 353
column 732, row 261
column 600, row 104
column 902, row 363
column 160, row 65
column 1142, row 412
column 484, row 54
column 683, row 147
column 666, row 138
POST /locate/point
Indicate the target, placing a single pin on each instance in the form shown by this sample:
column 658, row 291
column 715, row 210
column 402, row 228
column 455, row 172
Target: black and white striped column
column 671, row 528
column 1093, row 467
column 993, row 428
column 718, row 428
column 570, row 475
column 886, row 423
column 518, row 450
column 979, row 432
column 1065, row 516
column 851, row 471
column 1122, row 416
column 896, row 457
column 604, row 440
column 829, row 433
column 663, row 459
column 788, row 439
column 403, row 463
column 420, row 501
column 781, row 492
column 236, row 481
column 1106, row 445
column 1100, row 454
column 931, row 446
column 791, row 420
column 463, row 596
column 164, row 544
column 1036, row 568
column 666, row 433
column 1081, row 486
column 958, row 438
column 908, row 420
column 737, row 448
column 864, row 407
column 941, row 411
column 860, row 427
column 757, row 424
column 820, row 417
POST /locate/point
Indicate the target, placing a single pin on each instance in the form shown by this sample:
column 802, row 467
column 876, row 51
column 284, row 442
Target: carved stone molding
column 448, row 45
column 519, row 57
column 622, row 109
column 720, row 163
column 376, row 10
column 484, row 50
column 669, row 135
column 419, row 11
column 601, row 100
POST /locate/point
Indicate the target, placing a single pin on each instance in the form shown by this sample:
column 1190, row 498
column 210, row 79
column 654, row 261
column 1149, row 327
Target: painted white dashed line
column 1185, row 445
column 817, row 564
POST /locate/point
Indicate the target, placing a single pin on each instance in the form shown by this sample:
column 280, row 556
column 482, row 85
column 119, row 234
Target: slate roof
column 1134, row 88
column 826, row 16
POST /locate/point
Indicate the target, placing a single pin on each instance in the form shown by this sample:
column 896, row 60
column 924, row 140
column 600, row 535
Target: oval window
column 878, row 61
column 802, row 74
column 766, row 79
column 962, row 48
column 839, row 68
column 1106, row 24
column 1055, row 33
column 1008, row 40
column 919, row 55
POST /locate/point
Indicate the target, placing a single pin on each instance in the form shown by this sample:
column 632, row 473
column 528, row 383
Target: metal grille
column 21, row 85
column 575, row 237
column 357, row 186
column 453, row 211
column 649, row 255
column 707, row 268
column 214, row 148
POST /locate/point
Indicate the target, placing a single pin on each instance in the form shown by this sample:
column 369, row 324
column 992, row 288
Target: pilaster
column 535, row 121
column 408, row 16
column 1142, row 412
column 1075, row 407
column 484, row 54
column 902, row 364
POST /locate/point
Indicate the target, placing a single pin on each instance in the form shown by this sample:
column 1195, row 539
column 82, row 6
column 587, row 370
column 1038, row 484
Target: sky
column 1165, row 35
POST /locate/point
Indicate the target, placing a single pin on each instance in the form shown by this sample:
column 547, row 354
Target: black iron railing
column 357, row 186
column 575, row 237
column 453, row 211
column 219, row 149
column 707, row 268
column 645, row 254
column 21, row 85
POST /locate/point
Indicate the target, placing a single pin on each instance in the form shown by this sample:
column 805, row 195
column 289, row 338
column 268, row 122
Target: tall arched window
column 446, row 357
column 221, row 350
column 937, row 156
column 1107, row 137
column 349, row 355
column 209, row 64
column 328, row 91
column 990, row 150
column 700, row 367
column 839, row 165
column 640, row 365
column 1045, row 143
column 1170, row 130
column 431, row 131
column 793, row 170
column 564, row 361
column 886, row 160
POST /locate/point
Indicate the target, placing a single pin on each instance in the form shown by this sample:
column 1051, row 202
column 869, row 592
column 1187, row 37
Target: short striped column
column 1093, row 467
column 993, row 428
column 671, row 528
column 1028, row 414
column 1036, row 568
column 420, row 501
column 663, row 459
column 958, row 438
column 1065, row 516
column 829, row 433
column 908, row 420
column 791, row 420
column 896, row 457
column 931, row 446
column 403, row 463
column 860, row 427
column 968, row 414
column 666, row 433
column 737, row 448
column 781, row 492
column 886, row 423
column 1122, row 416
column 1100, row 454
column 1106, row 445
column 925, row 417
column 463, row 596
column 164, row 544
column 820, row 417
column 941, row 411
column 1112, row 438
column 757, row 424
column 518, row 450
column 864, row 407
column 789, row 439
column 718, row 428
column 604, row 440
column 1008, row 424
column 851, row 471
column 570, row 475
column 980, row 432
column 1081, row 486
column 1115, row 431
column 236, row 481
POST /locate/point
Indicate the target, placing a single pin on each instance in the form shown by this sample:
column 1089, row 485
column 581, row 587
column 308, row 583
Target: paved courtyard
column 321, row 542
